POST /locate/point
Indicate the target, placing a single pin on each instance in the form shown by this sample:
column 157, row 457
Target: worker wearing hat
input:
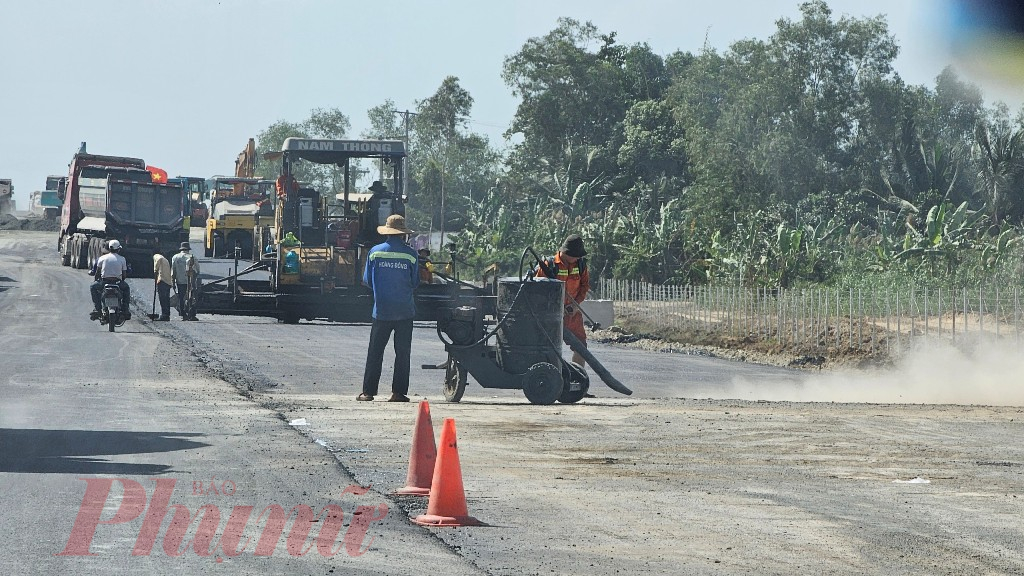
column 392, row 274
column 426, row 266
column 570, row 266
column 184, row 271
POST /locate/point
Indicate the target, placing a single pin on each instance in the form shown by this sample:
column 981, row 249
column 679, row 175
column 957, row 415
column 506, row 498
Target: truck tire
column 83, row 253
column 65, row 254
column 76, row 252
column 93, row 255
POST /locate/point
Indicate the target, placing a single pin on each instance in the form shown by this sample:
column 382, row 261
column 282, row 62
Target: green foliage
column 327, row 123
column 798, row 159
column 447, row 162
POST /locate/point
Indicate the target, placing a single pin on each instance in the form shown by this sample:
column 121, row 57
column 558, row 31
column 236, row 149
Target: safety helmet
column 114, row 245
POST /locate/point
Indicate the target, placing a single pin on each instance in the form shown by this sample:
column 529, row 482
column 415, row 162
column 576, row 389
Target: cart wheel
column 454, row 381
column 542, row 383
column 578, row 383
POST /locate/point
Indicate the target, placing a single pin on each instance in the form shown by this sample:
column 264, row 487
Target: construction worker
column 570, row 266
column 184, row 271
column 391, row 273
column 426, row 266
column 162, row 284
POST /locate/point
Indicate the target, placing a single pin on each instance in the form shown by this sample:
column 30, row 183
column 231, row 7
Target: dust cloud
column 986, row 373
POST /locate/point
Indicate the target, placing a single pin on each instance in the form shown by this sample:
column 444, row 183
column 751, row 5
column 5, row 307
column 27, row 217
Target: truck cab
column 195, row 190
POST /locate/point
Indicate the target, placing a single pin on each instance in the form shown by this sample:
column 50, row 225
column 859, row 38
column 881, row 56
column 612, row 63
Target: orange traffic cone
column 447, row 504
column 421, row 456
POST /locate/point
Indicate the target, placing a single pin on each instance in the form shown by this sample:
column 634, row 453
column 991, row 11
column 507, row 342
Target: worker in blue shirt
column 392, row 273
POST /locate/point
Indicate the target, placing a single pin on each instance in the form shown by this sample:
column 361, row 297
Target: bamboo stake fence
column 820, row 319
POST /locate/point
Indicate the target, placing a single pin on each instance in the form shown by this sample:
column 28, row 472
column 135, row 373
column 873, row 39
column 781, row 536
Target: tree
column 569, row 94
column 446, row 158
column 326, row 123
column 1001, row 159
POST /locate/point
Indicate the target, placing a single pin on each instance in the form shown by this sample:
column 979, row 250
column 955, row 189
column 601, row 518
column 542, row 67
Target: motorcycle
column 113, row 316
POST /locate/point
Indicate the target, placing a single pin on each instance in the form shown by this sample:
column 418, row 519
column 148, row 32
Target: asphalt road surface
column 686, row 476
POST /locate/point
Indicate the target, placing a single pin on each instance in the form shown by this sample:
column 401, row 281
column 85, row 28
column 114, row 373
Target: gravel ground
column 10, row 222
column 672, row 485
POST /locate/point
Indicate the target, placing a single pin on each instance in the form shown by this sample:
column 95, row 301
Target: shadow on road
column 40, row 451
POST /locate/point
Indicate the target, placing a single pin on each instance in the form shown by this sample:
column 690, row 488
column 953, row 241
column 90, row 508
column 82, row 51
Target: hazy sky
column 184, row 83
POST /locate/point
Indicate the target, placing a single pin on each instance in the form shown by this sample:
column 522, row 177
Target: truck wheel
column 65, row 254
column 577, row 383
column 83, row 254
column 454, row 381
column 93, row 256
column 542, row 383
column 76, row 253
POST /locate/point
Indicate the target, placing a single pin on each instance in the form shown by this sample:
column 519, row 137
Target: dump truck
column 6, row 196
column 108, row 197
column 315, row 249
column 195, row 190
column 46, row 203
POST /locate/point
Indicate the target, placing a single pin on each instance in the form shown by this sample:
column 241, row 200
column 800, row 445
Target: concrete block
column 602, row 311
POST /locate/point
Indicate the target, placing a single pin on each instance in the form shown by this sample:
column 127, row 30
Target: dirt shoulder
column 742, row 350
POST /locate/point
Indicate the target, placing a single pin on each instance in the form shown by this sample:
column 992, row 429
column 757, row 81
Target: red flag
column 159, row 174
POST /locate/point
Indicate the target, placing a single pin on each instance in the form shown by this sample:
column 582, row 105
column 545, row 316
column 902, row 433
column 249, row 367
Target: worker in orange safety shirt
column 570, row 266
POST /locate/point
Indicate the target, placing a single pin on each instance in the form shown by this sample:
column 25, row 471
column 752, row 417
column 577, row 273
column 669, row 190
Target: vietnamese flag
column 159, row 175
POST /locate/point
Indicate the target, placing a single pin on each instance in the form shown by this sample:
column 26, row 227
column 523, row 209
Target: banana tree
column 945, row 234
column 996, row 251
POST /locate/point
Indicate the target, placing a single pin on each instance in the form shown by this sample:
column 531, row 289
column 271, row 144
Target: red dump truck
column 108, row 197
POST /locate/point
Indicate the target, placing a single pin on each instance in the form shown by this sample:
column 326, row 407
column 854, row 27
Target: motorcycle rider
column 111, row 268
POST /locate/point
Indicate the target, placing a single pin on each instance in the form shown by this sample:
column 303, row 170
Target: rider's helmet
column 114, row 245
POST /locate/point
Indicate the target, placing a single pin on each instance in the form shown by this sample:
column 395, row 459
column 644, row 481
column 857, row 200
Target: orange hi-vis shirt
column 577, row 282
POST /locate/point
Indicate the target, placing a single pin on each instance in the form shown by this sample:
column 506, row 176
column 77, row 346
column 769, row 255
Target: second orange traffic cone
column 421, row 456
column 447, row 504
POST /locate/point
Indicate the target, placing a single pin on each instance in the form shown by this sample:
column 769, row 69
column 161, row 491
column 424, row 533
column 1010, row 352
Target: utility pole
column 405, row 120
column 406, row 114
